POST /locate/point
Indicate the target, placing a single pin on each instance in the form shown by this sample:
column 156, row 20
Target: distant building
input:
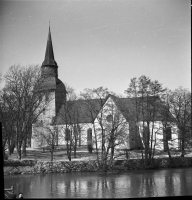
column 81, row 116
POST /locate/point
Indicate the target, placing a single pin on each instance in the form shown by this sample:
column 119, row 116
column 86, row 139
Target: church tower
column 51, row 84
column 55, row 94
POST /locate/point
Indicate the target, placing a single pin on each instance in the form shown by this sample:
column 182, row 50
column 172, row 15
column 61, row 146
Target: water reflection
column 138, row 183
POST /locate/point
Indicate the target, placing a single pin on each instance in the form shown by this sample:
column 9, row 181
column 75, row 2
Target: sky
column 101, row 43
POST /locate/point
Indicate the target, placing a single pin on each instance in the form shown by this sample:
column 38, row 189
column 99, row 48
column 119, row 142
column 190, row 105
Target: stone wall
column 48, row 167
column 158, row 163
column 33, row 166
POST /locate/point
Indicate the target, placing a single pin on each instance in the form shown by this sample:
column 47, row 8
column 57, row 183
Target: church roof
column 49, row 55
column 79, row 111
column 86, row 111
column 127, row 106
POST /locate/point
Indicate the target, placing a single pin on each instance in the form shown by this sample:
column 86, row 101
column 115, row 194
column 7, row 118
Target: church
column 87, row 120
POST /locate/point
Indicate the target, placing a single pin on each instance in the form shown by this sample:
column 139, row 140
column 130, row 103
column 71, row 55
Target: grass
column 82, row 154
column 61, row 154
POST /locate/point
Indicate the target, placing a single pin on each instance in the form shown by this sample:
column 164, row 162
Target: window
column 47, row 97
column 167, row 133
column 89, row 134
column 109, row 118
column 44, row 111
column 67, row 134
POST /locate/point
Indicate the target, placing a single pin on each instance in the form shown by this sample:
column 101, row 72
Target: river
column 135, row 183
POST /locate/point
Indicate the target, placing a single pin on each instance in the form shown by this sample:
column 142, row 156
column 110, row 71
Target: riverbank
column 36, row 167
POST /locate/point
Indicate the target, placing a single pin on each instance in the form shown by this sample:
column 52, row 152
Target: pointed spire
column 49, row 55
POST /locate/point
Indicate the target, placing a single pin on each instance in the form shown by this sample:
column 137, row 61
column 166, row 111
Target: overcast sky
column 101, row 43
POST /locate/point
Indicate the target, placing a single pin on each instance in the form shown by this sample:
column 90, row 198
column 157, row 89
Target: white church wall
column 50, row 110
column 83, row 132
column 84, row 129
column 174, row 141
column 48, row 104
column 37, row 141
column 110, row 109
column 157, row 137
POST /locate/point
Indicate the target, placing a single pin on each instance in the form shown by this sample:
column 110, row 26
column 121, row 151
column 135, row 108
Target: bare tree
column 88, row 95
column 70, row 118
column 109, row 125
column 21, row 102
column 147, row 95
column 48, row 134
column 8, row 129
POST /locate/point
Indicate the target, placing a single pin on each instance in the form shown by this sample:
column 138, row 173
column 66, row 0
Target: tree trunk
column 9, row 146
column 24, row 152
column 182, row 142
column 112, row 155
column 104, row 167
column 147, row 145
column 57, row 140
column 20, row 154
column 19, row 151
column 75, row 146
column 141, row 146
column 168, row 151
column 112, row 147
column 169, row 154
column 12, row 147
column 182, row 146
column 146, row 150
column 146, row 156
column 97, row 150
column 79, row 138
column 75, row 149
column 68, row 151
column 52, row 148
column 105, row 155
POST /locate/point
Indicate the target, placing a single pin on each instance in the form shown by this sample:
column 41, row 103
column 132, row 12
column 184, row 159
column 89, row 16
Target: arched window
column 167, row 133
column 67, row 134
column 89, row 134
